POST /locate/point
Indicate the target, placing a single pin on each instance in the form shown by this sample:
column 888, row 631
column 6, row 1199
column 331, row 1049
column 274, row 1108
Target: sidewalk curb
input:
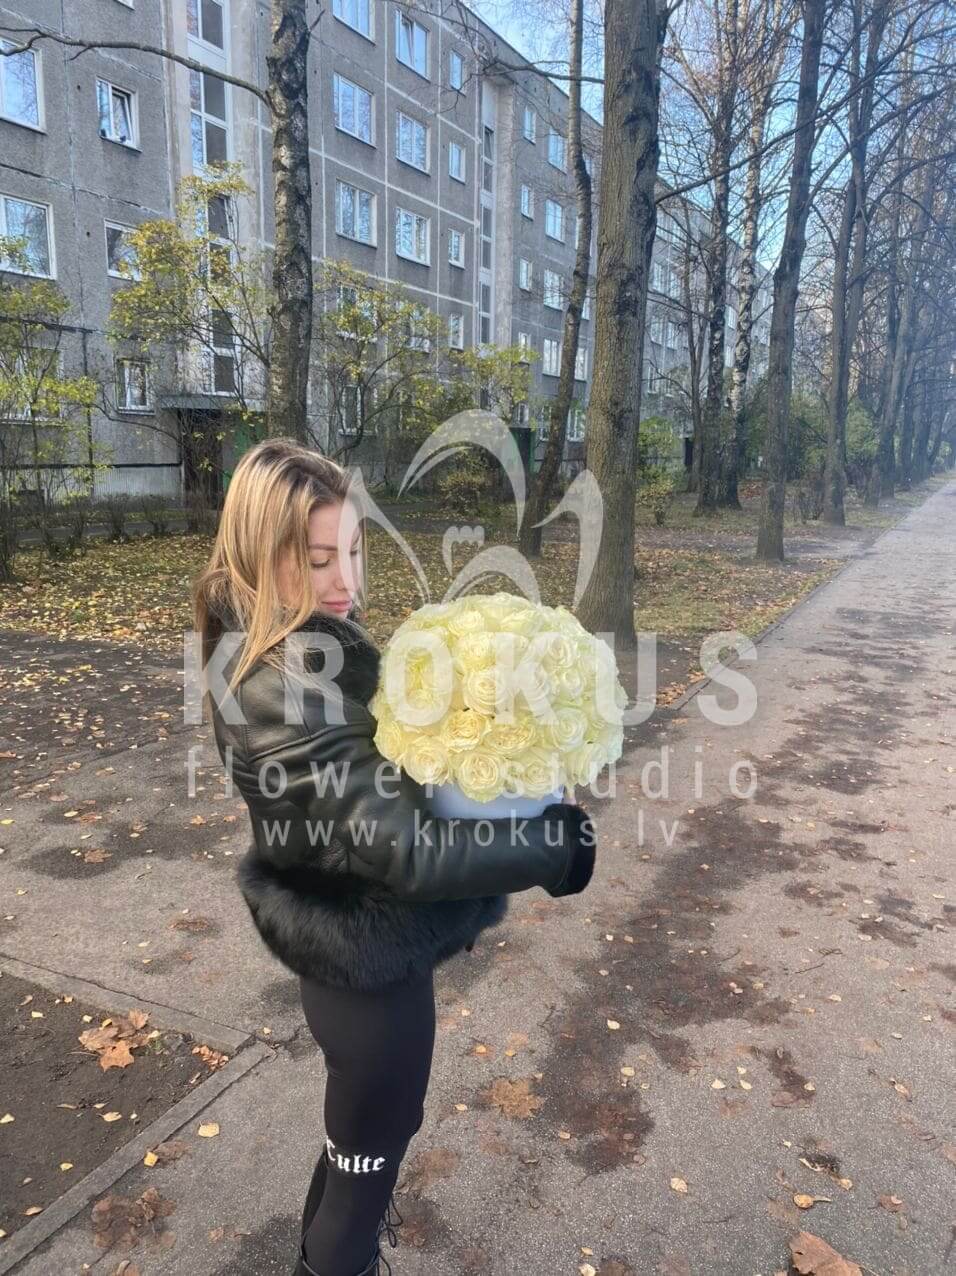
column 66, row 1207
column 205, row 1031
column 685, row 698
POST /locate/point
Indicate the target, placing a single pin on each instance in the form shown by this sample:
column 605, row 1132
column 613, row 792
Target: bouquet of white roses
column 493, row 696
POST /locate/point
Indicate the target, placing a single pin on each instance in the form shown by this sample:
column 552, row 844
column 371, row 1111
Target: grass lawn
column 695, row 575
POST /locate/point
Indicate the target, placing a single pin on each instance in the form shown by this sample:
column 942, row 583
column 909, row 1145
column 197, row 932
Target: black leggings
column 378, row 1053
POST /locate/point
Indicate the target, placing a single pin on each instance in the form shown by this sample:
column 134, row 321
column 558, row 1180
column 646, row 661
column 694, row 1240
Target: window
column 525, row 272
column 357, row 311
column 219, row 217
column 350, row 407
column 527, row 201
column 22, row 220
column 488, row 156
column 528, row 123
column 417, row 333
column 456, row 248
column 132, row 385
column 554, row 220
column 671, row 334
column 557, row 150
column 456, row 331
column 120, row 258
column 222, row 339
column 117, row 122
column 411, row 235
column 456, row 161
column 731, row 318
column 205, row 21
column 657, row 329
column 520, row 416
column 551, row 363
column 352, row 108
column 576, row 418
column 19, row 91
column 524, row 346
column 411, row 141
column 456, row 70
column 30, row 394
column 356, row 14
column 354, row 213
column 552, row 289
column 411, row 43
column 581, row 364
column 207, row 101
column 484, row 319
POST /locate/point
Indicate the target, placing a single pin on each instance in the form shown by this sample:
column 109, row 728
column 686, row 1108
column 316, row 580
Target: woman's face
column 335, row 576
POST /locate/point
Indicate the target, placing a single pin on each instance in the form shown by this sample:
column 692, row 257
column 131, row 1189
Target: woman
column 351, row 882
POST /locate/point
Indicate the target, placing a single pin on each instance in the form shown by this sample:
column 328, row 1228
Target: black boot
column 378, row 1265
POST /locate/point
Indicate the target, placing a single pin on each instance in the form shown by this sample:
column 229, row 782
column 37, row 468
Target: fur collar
column 358, row 678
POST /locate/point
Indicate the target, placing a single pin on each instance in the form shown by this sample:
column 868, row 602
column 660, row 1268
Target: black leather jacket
column 351, row 880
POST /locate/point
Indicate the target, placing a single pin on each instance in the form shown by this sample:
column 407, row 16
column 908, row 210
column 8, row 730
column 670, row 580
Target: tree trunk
column 906, row 440
column 747, row 293
column 634, row 35
column 786, row 282
column 711, row 460
column 542, row 483
column 900, row 354
column 763, row 70
column 848, row 275
column 838, row 398
column 708, row 490
column 292, row 256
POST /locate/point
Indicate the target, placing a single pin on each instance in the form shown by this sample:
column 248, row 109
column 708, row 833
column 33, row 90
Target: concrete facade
column 470, row 154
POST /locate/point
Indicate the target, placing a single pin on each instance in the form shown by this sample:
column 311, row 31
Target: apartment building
column 427, row 171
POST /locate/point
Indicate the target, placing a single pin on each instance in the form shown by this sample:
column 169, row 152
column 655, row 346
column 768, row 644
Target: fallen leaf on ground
column 514, row 1098
column 812, row 1256
column 123, row 1219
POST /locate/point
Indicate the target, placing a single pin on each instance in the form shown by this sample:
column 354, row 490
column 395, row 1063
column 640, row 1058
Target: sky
column 522, row 26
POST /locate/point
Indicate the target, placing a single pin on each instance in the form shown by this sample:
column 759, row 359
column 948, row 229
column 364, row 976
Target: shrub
column 656, row 493
column 156, row 512
column 466, row 487
column 116, row 509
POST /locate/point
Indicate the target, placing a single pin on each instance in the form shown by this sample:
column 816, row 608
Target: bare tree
column 542, row 483
column 786, row 283
column 848, row 270
column 634, row 36
column 773, row 22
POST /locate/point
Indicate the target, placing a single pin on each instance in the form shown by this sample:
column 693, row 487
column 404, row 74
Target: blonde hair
column 265, row 515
